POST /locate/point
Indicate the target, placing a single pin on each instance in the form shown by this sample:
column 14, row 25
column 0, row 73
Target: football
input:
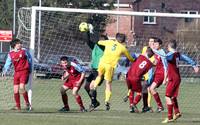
column 84, row 27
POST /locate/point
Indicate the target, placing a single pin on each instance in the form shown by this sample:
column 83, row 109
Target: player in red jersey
column 74, row 77
column 174, row 79
column 22, row 63
column 135, row 74
column 159, row 74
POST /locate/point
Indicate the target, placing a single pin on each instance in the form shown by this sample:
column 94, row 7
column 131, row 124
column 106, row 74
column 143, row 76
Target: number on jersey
column 142, row 65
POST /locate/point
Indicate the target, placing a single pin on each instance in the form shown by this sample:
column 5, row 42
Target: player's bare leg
column 108, row 93
column 78, row 99
column 156, row 97
column 63, row 93
column 149, row 99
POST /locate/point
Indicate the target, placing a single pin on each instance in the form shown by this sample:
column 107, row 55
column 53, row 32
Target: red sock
column 79, row 101
column 65, row 100
column 25, row 95
column 157, row 99
column 17, row 100
column 175, row 105
column 170, row 111
column 145, row 99
column 131, row 97
column 137, row 99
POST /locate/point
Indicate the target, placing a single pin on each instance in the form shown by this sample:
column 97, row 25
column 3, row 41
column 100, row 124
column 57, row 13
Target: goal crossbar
column 113, row 12
column 93, row 11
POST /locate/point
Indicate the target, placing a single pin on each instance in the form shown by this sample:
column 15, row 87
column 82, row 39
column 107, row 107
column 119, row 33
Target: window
column 189, row 12
column 149, row 19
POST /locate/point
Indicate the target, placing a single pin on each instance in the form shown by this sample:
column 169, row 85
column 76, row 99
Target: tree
column 6, row 7
column 6, row 14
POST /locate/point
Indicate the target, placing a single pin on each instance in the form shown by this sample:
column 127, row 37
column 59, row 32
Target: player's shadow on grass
column 189, row 121
column 51, row 111
column 56, row 111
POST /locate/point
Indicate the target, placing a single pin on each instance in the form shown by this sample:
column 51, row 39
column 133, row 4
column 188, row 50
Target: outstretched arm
column 189, row 61
column 89, row 41
column 127, row 54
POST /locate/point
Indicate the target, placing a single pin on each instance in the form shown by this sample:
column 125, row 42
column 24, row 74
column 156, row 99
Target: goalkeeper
column 97, row 52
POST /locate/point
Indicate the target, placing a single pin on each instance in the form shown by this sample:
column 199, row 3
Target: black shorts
column 92, row 76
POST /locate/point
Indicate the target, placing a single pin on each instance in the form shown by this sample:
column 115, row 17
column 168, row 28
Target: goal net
column 53, row 32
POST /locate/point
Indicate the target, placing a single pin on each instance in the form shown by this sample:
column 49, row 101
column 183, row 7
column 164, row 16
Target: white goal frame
column 34, row 9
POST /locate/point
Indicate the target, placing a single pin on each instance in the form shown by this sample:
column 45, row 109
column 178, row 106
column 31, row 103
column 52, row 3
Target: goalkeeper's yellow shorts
column 106, row 70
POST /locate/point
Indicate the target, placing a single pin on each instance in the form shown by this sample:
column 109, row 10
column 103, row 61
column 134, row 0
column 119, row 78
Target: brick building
column 140, row 28
column 123, row 24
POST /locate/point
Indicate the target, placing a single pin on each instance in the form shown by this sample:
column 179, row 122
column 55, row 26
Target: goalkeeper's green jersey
column 97, row 50
column 97, row 53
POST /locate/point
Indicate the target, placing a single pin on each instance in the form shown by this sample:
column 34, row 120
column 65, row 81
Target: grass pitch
column 46, row 101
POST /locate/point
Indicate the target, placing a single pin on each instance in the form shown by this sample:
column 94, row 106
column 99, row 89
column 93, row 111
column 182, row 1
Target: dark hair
column 152, row 37
column 121, row 37
column 149, row 52
column 64, row 58
column 172, row 43
column 105, row 37
column 14, row 42
column 158, row 40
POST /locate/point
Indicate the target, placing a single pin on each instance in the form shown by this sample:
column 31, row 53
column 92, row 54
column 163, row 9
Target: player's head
column 16, row 44
column 157, row 43
column 120, row 37
column 172, row 45
column 149, row 52
column 151, row 42
column 64, row 61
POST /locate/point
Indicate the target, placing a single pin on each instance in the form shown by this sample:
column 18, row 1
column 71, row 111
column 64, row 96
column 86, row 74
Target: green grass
column 47, row 100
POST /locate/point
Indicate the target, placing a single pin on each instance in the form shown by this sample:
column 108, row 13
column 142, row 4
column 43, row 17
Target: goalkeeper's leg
column 93, row 86
column 95, row 83
column 92, row 94
column 89, row 79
